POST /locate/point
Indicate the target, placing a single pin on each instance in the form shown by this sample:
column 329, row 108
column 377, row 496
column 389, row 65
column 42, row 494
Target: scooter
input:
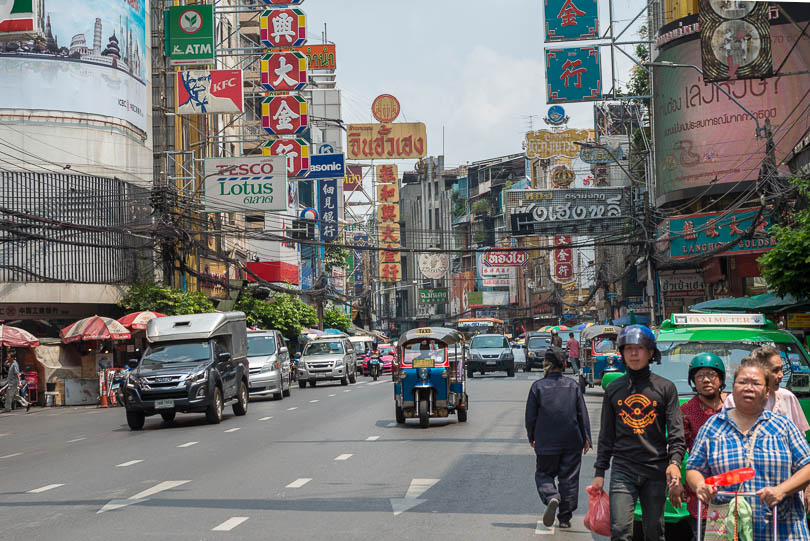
column 21, row 393
column 374, row 366
column 119, row 383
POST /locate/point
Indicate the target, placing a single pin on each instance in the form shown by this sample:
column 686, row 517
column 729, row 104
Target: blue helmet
column 640, row 335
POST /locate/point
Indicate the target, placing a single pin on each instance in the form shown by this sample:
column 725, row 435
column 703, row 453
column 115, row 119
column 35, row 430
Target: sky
column 473, row 68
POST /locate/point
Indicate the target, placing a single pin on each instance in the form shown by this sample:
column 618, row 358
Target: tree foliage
column 784, row 267
column 334, row 318
column 164, row 299
column 282, row 311
column 335, row 257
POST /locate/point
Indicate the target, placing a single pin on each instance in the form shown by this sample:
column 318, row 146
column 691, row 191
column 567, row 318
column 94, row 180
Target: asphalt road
column 328, row 462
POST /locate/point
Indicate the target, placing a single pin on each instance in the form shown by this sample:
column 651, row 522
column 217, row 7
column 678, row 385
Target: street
column 328, row 461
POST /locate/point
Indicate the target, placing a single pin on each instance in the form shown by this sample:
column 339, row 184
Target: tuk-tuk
column 429, row 375
column 599, row 353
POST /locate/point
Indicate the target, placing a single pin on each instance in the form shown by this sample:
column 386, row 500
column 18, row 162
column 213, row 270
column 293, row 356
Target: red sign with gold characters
column 506, row 259
column 283, row 71
column 283, row 27
column 385, row 108
column 562, row 262
column 296, row 151
column 285, row 115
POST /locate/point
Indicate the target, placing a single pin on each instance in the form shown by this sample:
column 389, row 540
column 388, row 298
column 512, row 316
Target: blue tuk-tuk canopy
column 441, row 334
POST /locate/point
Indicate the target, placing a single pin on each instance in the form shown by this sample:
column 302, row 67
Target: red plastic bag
column 597, row 519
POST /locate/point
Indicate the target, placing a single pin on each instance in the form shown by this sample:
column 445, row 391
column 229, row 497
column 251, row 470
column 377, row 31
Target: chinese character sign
column 388, row 232
column 285, row 115
column 563, row 262
column 283, row 71
column 328, row 208
column 701, row 233
column 283, row 27
column 297, row 153
column 573, row 75
column 387, row 193
column 387, row 174
column 283, row 2
column 402, row 140
column 568, row 20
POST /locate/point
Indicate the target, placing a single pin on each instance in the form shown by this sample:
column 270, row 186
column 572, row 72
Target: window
column 480, row 342
column 261, row 345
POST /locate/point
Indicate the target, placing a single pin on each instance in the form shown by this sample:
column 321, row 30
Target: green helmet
column 707, row 360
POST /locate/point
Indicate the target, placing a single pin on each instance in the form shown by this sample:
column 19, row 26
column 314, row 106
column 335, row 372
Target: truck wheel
column 344, row 380
column 424, row 417
column 313, row 383
column 278, row 395
column 462, row 414
column 241, row 406
column 527, row 368
column 168, row 416
column 135, row 419
column 400, row 415
column 510, row 373
column 470, row 373
column 302, row 383
column 214, row 412
column 289, row 387
column 353, row 376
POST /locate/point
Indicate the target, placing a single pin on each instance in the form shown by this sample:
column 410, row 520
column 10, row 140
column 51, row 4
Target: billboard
column 701, row 136
column 257, row 183
column 547, row 143
column 576, row 210
column 735, row 40
column 354, row 178
column 327, row 166
column 209, row 91
column 102, row 60
column 399, row 141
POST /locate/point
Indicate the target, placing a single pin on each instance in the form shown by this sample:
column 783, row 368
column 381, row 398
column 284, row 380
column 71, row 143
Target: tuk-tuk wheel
column 462, row 414
column 400, row 415
column 424, row 416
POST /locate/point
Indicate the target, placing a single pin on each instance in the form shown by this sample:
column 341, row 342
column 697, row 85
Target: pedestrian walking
column 12, row 380
column 573, row 352
column 556, row 341
column 751, row 436
column 707, row 377
column 559, row 430
column 642, row 431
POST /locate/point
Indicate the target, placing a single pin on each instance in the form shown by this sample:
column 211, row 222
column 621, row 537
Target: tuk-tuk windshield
column 425, row 350
column 604, row 345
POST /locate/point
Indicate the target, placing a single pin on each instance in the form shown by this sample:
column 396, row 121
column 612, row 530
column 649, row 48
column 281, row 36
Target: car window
column 261, row 345
column 499, row 342
column 676, row 356
column 538, row 342
column 176, row 353
column 323, row 348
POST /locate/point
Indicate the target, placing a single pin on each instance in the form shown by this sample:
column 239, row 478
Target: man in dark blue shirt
column 559, row 430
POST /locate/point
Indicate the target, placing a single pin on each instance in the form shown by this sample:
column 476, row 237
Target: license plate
column 491, row 363
column 423, row 363
column 321, row 375
column 163, row 404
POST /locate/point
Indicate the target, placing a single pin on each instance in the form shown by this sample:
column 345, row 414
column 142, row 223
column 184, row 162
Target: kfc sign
column 506, row 259
column 295, row 150
column 285, row 115
column 283, row 71
column 209, row 91
column 283, row 27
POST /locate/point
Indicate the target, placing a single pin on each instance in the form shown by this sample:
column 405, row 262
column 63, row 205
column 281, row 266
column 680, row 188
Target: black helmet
column 639, row 335
column 555, row 356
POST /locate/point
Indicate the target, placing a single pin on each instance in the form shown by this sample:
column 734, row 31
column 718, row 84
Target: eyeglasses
column 707, row 376
column 754, row 384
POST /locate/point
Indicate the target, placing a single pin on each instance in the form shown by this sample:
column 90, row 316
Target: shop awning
column 767, row 302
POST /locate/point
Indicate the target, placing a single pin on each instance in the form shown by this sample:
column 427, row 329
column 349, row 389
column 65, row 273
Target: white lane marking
column 229, row 524
column 130, row 463
column 411, row 499
column 298, row 483
column 377, row 382
column 347, row 391
column 77, row 439
column 332, row 395
column 543, row 530
column 389, row 425
column 266, row 418
column 11, row 455
column 346, row 456
column 419, row 487
column 372, row 438
column 231, row 430
column 45, row 488
column 313, row 401
column 292, row 408
column 141, row 496
column 6, row 434
column 189, row 444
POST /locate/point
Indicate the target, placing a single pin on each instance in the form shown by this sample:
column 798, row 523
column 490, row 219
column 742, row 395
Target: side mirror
column 224, row 356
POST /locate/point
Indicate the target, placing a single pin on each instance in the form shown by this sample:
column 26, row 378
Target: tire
column 313, row 383
column 510, row 373
column 135, row 419
column 214, row 412
column 470, row 373
column 424, row 417
column 527, row 369
column 302, row 383
column 400, row 415
column 462, row 414
column 344, row 380
column 374, row 377
column 241, row 406
column 278, row 396
column 168, row 416
column 353, row 376
column 288, row 392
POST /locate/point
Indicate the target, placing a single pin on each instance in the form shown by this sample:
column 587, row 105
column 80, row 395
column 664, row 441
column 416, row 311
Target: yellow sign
column 387, row 174
column 798, row 321
column 390, row 272
column 546, row 143
column 388, row 193
column 424, row 330
column 398, row 141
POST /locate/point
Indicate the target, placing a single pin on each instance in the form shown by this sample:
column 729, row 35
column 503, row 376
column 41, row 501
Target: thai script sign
column 568, row 20
column 601, row 155
column 402, row 140
column 354, row 178
column 385, row 108
column 573, row 75
column 189, row 34
column 328, row 209
column 296, row 151
column 319, row 57
column 794, row 321
column 285, row 115
column 209, row 91
column 506, row 259
column 584, row 209
column 245, row 184
column 283, row 27
column 283, row 71
column 546, row 144
column 679, row 284
column 433, row 296
column 700, row 233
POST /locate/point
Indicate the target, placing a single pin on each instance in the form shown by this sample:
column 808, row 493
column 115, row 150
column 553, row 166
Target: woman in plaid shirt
column 781, row 455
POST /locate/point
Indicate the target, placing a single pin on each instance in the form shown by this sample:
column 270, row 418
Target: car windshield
column 538, row 342
column 261, row 345
column 482, row 342
column 604, row 345
column 386, row 351
column 359, row 347
column 176, row 353
column 324, row 348
column 676, row 356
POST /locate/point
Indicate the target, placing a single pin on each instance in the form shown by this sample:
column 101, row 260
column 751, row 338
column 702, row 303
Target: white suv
column 327, row 358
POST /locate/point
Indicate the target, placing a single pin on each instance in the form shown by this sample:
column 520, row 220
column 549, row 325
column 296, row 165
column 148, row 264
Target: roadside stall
column 22, row 343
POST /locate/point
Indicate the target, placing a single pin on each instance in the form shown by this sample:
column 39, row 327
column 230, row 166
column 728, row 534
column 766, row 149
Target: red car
column 387, row 354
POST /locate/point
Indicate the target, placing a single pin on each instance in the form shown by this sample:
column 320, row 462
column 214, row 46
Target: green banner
column 189, row 34
column 433, row 296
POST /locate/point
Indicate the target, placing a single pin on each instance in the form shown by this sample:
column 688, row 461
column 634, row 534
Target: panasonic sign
column 327, row 166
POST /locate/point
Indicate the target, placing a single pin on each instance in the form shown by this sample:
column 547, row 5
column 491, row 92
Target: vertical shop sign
column 573, row 74
column 563, row 264
column 296, row 151
column 571, row 20
column 328, row 208
column 283, row 71
column 283, row 27
column 285, row 115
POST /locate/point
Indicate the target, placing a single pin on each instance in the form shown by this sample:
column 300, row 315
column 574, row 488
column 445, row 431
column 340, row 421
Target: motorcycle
column 22, row 392
column 119, row 383
column 374, row 367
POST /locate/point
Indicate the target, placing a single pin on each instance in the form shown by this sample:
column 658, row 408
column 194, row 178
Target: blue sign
column 328, row 208
column 326, row 148
column 556, row 116
column 306, row 274
column 573, row 75
column 571, row 20
column 327, row 166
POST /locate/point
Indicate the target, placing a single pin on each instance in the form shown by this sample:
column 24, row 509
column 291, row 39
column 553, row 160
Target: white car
column 270, row 372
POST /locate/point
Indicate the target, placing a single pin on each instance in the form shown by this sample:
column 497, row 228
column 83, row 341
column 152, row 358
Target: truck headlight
column 476, row 356
column 202, row 375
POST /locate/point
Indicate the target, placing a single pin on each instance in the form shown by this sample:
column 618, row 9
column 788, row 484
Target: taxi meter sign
column 718, row 319
column 245, row 184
